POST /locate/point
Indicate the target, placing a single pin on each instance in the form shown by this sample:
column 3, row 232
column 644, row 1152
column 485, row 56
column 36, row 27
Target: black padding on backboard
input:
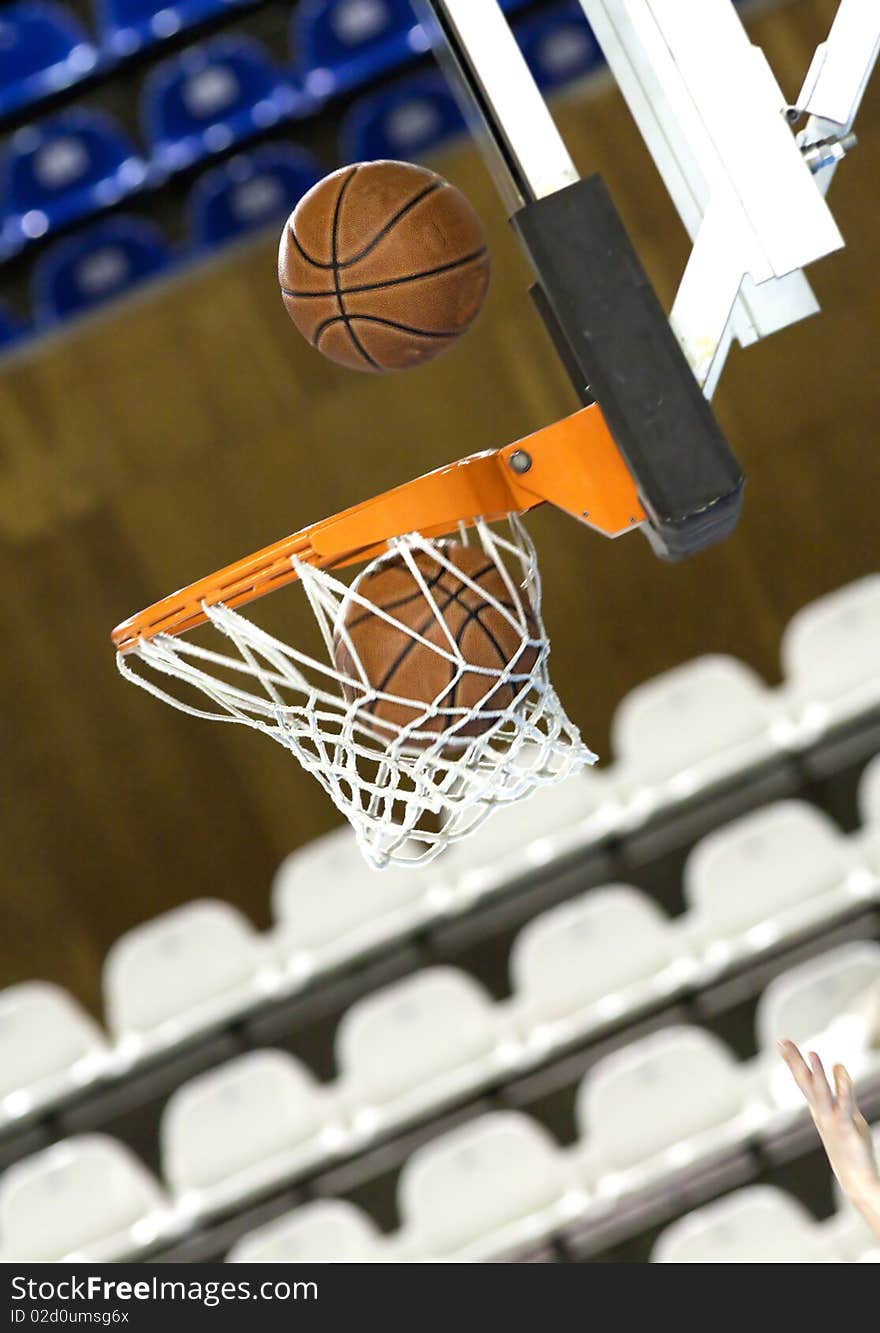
column 619, row 350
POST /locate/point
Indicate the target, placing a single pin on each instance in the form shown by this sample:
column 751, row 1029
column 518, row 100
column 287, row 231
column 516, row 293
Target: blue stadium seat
column 42, row 49
column 404, row 122
column 107, row 260
column 129, row 25
column 248, row 192
column 12, row 330
column 63, row 169
column 210, row 97
column 339, row 44
column 559, row 46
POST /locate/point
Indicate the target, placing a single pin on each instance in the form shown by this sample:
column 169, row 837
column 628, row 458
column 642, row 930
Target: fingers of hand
column 822, row 1099
column 800, row 1070
column 863, row 1129
column 843, row 1088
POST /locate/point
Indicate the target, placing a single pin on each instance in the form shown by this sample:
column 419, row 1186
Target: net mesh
column 407, row 789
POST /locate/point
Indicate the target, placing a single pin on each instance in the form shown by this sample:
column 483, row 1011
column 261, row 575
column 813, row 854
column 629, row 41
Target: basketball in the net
column 395, row 663
column 382, row 265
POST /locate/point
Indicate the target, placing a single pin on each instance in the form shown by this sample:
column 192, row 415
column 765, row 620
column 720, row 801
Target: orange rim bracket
column 576, row 466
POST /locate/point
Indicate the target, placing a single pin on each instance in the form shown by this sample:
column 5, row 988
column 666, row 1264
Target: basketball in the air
column 478, row 620
column 382, row 265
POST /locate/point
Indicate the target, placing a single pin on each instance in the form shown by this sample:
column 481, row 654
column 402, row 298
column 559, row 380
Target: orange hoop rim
column 573, row 464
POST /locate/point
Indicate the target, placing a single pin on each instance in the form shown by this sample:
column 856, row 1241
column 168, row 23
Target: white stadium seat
column 755, row 1225
column 257, row 1119
column 691, row 727
column 658, row 1106
column 48, row 1047
column 487, row 1188
column 416, row 1045
column 831, row 654
column 869, row 793
column 86, row 1198
column 819, row 1005
column 590, row 960
column 869, row 809
column 330, row 905
column 186, row 970
column 520, row 838
column 329, row 1231
column 780, row 870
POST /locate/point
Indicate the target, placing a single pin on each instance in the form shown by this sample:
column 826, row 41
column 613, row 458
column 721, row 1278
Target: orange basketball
column 396, row 663
column 382, row 265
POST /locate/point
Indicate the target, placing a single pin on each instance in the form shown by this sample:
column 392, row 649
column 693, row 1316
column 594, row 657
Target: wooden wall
column 177, row 433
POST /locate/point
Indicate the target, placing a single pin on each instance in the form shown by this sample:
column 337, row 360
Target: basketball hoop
column 408, row 788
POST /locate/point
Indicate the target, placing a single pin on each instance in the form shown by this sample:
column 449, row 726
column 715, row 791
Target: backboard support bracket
column 750, row 194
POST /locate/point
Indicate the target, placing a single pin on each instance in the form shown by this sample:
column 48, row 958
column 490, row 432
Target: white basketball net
column 406, row 802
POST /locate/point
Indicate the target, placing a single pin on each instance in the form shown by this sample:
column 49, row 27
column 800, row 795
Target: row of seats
column 80, row 162
column 576, row 969
column 482, row 1190
column 757, row 1224
column 762, row 880
column 588, row 963
column 762, row 1224
column 115, row 257
column 211, row 97
column 335, row 44
column 410, row 1048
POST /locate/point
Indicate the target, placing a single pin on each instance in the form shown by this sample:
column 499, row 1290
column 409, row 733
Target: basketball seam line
column 453, row 597
column 318, row 263
column 380, row 235
column 454, row 678
column 435, row 581
column 404, row 652
column 474, row 615
column 503, row 659
column 349, row 318
column 431, row 583
column 334, row 249
column 389, row 282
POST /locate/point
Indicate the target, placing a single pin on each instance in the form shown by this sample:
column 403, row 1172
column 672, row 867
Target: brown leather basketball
column 382, row 265
column 396, row 663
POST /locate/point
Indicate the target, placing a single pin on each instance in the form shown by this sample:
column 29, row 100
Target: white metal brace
column 751, row 194
column 835, row 84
